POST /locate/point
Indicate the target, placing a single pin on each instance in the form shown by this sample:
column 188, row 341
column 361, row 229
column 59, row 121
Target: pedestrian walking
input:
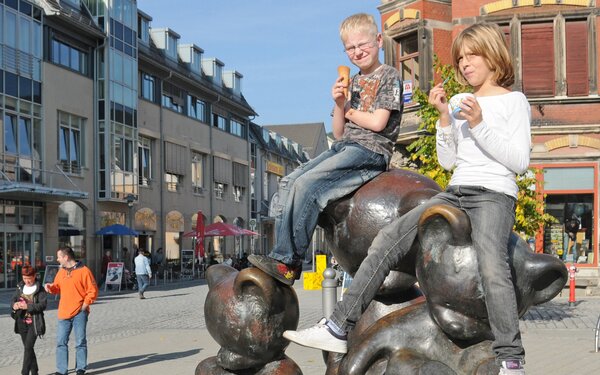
column 28, row 305
column 143, row 272
column 78, row 290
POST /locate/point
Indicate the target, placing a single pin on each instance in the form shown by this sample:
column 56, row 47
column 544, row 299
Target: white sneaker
column 318, row 337
column 512, row 367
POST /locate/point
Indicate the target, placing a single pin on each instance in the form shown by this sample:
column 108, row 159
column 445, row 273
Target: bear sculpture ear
column 453, row 218
column 217, row 273
column 256, row 279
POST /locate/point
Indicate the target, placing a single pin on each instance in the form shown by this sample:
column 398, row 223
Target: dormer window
column 191, row 55
column 144, row 27
column 166, row 39
column 213, row 68
column 233, row 80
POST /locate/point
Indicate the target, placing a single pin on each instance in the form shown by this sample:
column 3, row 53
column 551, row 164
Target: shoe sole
column 276, row 276
column 333, row 348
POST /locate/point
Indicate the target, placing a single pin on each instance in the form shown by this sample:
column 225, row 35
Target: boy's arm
column 91, row 290
column 376, row 121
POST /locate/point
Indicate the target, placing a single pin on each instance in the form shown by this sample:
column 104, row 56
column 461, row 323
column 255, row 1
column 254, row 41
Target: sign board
column 114, row 274
column 50, row 273
column 407, row 91
column 187, row 264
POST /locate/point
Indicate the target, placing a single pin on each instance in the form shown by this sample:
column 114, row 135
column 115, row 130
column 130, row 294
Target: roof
column 311, row 136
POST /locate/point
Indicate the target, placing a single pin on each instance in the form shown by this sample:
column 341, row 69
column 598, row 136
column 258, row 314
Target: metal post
column 329, row 285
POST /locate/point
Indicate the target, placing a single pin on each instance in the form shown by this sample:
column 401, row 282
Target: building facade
column 555, row 47
column 107, row 120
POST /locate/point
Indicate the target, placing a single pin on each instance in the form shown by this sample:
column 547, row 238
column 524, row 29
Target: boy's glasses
column 361, row 46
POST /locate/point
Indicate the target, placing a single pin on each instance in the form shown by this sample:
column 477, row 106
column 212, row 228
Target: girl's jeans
column 492, row 216
column 305, row 192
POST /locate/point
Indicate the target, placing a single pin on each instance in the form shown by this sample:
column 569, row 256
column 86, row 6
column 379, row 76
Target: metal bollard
column 329, row 285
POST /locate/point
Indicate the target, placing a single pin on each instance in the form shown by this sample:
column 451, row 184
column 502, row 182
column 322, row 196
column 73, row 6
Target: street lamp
column 130, row 198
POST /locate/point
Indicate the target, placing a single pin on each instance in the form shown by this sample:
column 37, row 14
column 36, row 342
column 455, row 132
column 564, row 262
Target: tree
column 530, row 215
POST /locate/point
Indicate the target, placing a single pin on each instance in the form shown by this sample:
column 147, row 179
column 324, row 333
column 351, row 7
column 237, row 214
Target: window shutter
column 240, row 175
column 577, row 58
column 175, row 159
column 537, row 46
column 222, row 168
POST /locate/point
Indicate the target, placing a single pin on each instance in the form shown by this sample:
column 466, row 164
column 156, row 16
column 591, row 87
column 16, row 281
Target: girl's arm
column 513, row 147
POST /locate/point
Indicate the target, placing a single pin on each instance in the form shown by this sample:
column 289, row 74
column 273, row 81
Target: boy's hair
column 359, row 22
column 486, row 40
column 28, row 271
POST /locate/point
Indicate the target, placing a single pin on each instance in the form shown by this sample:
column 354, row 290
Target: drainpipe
column 162, row 164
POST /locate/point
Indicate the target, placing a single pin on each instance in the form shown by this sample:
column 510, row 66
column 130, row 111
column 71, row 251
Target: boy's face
column 362, row 49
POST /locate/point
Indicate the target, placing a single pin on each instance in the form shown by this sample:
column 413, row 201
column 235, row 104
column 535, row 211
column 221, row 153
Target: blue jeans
column 78, row 323
column 305, row 192
column 143, row 282
column 492, row 217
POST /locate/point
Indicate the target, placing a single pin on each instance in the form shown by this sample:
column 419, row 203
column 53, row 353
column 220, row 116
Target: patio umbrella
column 221, row 230
column 116, row 230
column 200, row 229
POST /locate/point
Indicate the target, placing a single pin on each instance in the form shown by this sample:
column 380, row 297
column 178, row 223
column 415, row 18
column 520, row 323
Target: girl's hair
column 485, row 40
column 28, row 271
column 361, row 22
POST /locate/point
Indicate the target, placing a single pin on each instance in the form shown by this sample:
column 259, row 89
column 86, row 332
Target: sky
column 287, row 50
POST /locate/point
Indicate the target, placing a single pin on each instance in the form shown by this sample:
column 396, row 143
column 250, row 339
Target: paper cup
column 455, row 102
column 344, row 71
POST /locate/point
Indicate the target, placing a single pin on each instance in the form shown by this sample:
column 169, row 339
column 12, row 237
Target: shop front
column 570, row 194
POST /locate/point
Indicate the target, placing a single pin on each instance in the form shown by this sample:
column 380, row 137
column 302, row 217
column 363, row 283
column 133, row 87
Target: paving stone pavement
column 166, row 334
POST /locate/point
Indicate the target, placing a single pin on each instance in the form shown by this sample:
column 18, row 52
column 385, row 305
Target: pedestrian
column 28, row 305
column 487, row 149
column 365, row 125
column 107, row 258
column 157, row 261
column 78, row 290
column 143, row 272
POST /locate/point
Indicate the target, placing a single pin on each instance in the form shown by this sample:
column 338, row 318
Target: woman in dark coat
column 28, row 305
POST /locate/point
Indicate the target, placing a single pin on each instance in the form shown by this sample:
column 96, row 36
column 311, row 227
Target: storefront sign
column 275, row 168
column 114, row 274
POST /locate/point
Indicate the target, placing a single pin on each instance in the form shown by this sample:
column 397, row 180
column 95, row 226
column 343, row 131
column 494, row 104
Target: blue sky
column 288, row 51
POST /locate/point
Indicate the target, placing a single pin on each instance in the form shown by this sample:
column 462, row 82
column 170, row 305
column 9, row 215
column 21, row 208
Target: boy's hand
column 337, row 92
column 47, row 287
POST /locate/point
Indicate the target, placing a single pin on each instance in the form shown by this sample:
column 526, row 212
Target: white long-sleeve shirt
column 492, row 153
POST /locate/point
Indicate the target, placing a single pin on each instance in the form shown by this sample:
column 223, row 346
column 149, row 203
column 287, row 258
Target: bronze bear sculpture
column 401, row 332
column 446, row 332
column 246, row 312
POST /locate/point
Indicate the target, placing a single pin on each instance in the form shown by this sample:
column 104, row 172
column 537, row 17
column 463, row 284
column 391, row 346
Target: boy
column 365, row 126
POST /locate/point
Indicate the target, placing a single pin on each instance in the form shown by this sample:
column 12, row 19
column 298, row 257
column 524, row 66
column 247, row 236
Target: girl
column 28, row 305
column 487, row 149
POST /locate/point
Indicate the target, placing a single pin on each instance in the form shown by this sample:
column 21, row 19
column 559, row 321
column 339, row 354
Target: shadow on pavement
column 116, row 364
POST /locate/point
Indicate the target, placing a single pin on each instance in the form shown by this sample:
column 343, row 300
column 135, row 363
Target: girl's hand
column 471, row 111
column 337, row 92
column 437, row 98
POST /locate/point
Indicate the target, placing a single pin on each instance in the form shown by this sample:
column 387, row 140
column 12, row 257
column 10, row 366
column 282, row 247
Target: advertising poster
column 114, row 274
column 50, row 273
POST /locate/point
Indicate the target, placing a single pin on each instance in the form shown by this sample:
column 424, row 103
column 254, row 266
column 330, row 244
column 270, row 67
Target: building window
column 123, row 153
column 236, row 128
column 123, row 38
column 69, row 142
column 173, row 181
column 22, row 142
column 238, row 192
column 144, row 161
column 265, row 188
column 198, row 172
column 576, row 38
column 220, row 190
column 196, row 108
column 407, row 55
column 537, row 50
column 173, row 98
column 143, row 30
column 220, row 122
column 148, row 87
column 68, row 56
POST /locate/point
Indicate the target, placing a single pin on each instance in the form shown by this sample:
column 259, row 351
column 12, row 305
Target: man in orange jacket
column 78, row 290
